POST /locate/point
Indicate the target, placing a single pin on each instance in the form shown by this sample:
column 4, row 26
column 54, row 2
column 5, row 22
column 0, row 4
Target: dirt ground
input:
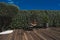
column 35, row 34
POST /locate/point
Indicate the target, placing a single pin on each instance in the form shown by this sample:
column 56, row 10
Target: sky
column 35, row 4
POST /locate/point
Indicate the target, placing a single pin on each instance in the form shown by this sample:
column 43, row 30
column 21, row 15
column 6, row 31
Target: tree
column 12, row 10
column 7, row 12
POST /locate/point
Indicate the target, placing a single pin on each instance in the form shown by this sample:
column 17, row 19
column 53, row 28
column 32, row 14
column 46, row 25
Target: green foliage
column 12, row 10
column 22, row 19
column 7, row 13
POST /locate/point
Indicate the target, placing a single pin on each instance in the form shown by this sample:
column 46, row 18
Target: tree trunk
column 47, row 25
column 54, row 24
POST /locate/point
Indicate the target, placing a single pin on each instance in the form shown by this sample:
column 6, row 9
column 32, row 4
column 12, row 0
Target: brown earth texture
column 35, row 34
